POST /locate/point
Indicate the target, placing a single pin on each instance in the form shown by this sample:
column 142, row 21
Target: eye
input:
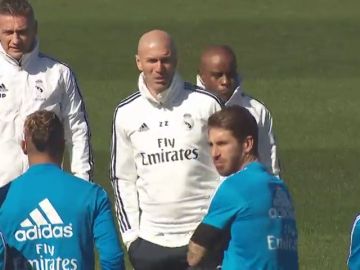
column 166, row 60
column 8, row 32
column 220, row 143
column 216, row 75
column 23, row 32
column 152, row 60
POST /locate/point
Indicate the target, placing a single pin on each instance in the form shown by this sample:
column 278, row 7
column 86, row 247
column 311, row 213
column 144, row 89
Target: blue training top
column 51, row 220
column 258, row 208
column 354, row 256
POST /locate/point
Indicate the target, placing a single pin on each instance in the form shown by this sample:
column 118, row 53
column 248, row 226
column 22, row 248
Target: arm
column 204, row 237
column 106, row 240
column 77, row 131
column 195, row 253
column 123, row 179
column 267, row 139
column 223, row 208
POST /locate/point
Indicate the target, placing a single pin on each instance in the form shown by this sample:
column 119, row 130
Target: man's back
column 53, row 219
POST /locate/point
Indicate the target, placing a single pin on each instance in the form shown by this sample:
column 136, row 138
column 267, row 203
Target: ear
column 138, row 62
column 24, row 146
column 248, row 144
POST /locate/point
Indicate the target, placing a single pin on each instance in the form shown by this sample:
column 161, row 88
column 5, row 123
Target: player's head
column 43, row 137
column 156, row 58
column 218, row 70
column 233, row 139
column 18, row 27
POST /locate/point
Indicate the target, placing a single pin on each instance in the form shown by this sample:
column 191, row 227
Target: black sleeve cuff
column 206, row 235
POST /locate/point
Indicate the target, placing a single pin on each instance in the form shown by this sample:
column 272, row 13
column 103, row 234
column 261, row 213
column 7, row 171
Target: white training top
column 266, row 142
column 161, row 169
column 38, row 82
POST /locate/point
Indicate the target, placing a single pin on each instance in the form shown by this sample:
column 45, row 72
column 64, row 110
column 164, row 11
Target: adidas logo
column 44, row 222
column 143, row 127
column 3, row 88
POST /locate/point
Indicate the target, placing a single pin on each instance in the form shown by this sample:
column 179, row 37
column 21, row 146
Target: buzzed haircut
column 17, row 7
column 216, row 48
column 46, row 132
column 239, row 121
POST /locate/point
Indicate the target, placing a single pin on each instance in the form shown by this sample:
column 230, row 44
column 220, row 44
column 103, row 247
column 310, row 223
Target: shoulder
column 257, row 108
column 127, row 109
column 198, row 92
column 128, row 102
column 356, row 225
column 81, row 186
column 245, row 178
column 255, row 103
column 55, row 65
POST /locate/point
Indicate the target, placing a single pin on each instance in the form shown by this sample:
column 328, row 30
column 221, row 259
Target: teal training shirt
column 53, row 220
column 258, row 208
column 354, row 256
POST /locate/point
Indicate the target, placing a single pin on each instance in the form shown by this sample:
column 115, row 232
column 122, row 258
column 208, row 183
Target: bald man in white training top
column 161, row 169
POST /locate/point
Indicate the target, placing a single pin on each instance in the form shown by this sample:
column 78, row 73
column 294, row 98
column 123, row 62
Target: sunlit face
column 219, row 75
column 227, row 153
column 17, row 34
column 158, row 63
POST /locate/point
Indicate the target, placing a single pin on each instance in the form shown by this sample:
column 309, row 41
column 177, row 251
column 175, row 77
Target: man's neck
column 43, row 158
column 156, row 94
column 247, row 160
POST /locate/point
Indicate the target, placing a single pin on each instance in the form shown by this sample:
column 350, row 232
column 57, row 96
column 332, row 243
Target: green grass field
column 300, row 57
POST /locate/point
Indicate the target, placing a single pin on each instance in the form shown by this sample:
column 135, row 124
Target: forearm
column 204, row 237
column 195, row 253
column 127, row 208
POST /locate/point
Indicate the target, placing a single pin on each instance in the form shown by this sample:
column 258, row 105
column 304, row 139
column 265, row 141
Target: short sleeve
column 225, row 205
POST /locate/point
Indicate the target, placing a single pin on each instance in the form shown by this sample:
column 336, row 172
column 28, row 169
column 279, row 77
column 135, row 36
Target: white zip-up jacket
column 161, row 169
column 34, row 83
column 266, row 140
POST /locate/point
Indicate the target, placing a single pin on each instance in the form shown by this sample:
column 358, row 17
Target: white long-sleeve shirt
column 266, row 140
column 161, row 169
column 34, row 83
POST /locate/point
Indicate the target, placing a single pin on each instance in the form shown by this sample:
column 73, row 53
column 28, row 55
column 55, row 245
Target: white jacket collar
column 236, row 94
column 166, row 96
column 199, row 82
column 25, row 59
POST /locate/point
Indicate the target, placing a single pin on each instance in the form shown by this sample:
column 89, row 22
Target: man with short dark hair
column 252, row 203
column 161, row 169
column 30, row 81
column 52, row 219
column 218, row 74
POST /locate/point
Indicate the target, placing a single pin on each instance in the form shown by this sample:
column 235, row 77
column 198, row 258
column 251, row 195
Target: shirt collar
column 25, row 59
column 166, row 96
column 237, row 91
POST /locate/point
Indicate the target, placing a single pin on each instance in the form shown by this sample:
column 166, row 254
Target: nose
column 159, row 66
column 225, row 80
column 215, row 152
column 15, row 38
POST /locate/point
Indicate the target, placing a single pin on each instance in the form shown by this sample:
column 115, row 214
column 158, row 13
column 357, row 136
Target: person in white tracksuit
column 218, row 74
column 161, row 169
column 30, row 81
